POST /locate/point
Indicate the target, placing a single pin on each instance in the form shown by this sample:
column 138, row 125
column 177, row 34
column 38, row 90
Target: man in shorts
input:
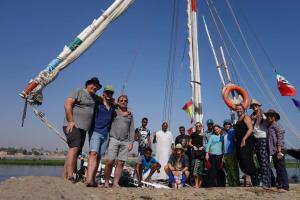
column 146, row 166
column 79, row 109
column 121, row 138
column 99, row 132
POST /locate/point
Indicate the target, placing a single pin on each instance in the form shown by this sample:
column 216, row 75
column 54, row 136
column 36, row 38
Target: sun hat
column 109, row 88
column 179, row 146
column 254, row 102
column 272, row 112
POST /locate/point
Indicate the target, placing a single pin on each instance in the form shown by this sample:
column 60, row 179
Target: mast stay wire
column 181, row 66
column 265, row 85
column 133, row 63
column 173, row 67
column 167, row 108
column 236, row 72
column 236, row 50
column 137, row 53
column 238, row 53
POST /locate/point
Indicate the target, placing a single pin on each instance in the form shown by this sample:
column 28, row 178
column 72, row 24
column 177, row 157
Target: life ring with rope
column 242, row 97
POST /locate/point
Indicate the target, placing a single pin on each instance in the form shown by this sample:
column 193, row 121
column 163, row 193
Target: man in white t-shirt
column 164, row 143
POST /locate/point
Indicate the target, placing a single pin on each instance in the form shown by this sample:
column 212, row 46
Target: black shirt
column 197, row 140
column 183, row 140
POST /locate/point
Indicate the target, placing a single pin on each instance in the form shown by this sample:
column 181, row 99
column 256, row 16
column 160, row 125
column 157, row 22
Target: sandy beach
column 48, row 188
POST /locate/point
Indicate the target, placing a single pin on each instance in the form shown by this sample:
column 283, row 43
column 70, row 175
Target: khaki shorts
column 117, row 150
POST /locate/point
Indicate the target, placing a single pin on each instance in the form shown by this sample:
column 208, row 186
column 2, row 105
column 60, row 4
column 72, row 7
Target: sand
column 48, row 188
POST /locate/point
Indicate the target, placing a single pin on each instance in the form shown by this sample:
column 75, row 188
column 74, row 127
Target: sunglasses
column 198, row 126
column 123, row 100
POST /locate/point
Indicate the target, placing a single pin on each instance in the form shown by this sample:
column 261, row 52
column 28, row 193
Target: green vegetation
column 131, row 163
column 31, row 162
column 292, row 165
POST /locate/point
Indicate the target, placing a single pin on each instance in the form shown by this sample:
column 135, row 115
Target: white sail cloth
column 163, row 151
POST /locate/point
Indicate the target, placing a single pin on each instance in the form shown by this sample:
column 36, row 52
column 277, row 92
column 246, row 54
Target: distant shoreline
column 58, row 162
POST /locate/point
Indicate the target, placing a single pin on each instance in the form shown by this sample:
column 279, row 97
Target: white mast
column 194, row 60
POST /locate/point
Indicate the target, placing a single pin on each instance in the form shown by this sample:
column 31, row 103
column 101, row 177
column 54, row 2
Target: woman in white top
column 260, row 126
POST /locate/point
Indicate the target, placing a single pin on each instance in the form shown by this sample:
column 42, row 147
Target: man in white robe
column 164, row 144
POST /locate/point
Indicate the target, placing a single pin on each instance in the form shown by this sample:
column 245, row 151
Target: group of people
column 207, row 158
column 216, row 155
column 104, row 119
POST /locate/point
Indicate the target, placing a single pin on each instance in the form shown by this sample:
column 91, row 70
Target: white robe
column 163, row 151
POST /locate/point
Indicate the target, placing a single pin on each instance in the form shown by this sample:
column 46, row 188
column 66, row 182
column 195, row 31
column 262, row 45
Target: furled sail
column 194, row 60
column 71, row 52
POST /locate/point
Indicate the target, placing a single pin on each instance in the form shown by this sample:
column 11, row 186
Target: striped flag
column 188, row 108
column 284, row 87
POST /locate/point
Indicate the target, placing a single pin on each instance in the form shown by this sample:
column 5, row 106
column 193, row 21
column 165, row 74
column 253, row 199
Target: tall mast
column 194, row 60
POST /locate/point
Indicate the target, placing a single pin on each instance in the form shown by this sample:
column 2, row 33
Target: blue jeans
column 96, row 141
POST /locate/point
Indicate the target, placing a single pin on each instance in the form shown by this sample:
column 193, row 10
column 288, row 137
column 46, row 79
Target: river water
column 7, row 171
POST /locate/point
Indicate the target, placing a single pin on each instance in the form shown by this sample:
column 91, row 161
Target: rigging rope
column 226, row 47
column 265, row 85
column 239, row 54
column 169, row 87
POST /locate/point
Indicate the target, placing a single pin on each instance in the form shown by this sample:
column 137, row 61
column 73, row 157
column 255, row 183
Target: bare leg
column 93, row 163
column 107, row 171
column 139, row 173
column 71, row 160
column 248, row 181
column 65, row 174
column 153, row 169
column 118, row 172
column 199, row 181
column 196, row 181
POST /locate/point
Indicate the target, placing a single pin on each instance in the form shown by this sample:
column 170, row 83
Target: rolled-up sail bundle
column 71, row 52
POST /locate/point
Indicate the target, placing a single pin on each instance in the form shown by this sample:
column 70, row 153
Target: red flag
column 284, row 87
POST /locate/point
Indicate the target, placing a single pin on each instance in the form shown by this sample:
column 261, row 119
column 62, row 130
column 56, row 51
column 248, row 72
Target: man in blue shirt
column 99, row 132
column 146, row 165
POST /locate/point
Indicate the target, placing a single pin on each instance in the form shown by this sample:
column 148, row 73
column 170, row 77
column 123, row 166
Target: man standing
column 209, row 131
column 142, row 136
column 182, row 139
column 99, row 132
column 121, row 138
column 79, row 109
column 164, row 140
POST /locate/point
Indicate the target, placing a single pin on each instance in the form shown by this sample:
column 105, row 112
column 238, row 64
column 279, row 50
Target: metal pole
column 225, row 65
column 214, row 52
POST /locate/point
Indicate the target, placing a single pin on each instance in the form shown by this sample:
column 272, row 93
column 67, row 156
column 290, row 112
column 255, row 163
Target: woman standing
column 197, row 151
column 245, row 144
column 260, row 124
column 214, row 153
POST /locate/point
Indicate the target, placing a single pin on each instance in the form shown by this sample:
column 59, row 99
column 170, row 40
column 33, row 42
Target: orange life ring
column 229, row 102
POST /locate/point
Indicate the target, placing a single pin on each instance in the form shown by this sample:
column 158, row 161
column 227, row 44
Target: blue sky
column 34, row 32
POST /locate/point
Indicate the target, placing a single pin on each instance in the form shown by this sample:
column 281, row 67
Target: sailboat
column 33, row 91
